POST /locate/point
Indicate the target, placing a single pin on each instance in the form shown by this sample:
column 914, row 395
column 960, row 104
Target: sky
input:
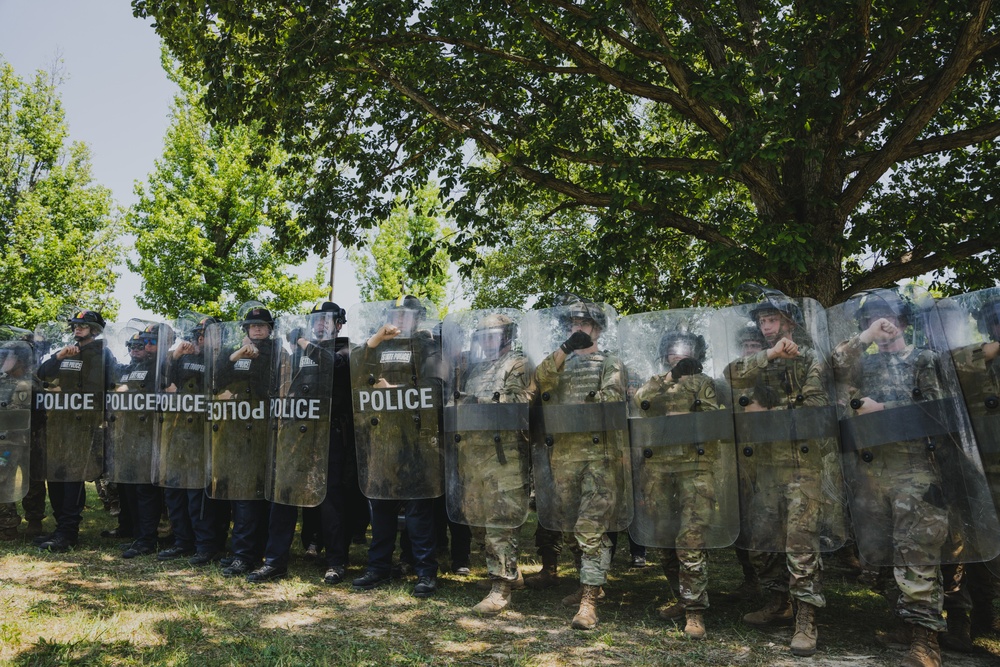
column 116, row 98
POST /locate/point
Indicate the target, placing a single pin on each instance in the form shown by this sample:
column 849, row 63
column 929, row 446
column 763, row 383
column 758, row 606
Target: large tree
column 57, row 231
column 821, row 146
column 205, row 219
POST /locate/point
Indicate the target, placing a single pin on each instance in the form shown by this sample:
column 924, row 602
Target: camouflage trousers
column 501, row 553
column 33, row 505
column 683, row 504
column 790, row 503
column 587, row 496
column 9, row 518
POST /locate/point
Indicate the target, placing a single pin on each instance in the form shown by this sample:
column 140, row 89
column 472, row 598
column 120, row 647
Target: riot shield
column 488, row 391
column 131, row 401
column 300, row 412
column 973, row 337
column 16, row 366
column 179, row 451
column 579, row 437
column 680, row 431
column 790, row 474
column 70, row 402
column 240, row 374
column 396, row 387
column 917, row 488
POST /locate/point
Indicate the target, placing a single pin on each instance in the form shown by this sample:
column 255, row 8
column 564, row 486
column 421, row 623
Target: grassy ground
column 90, row 607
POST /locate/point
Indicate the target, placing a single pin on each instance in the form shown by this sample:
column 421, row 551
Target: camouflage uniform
column 901, row 488
column 498, row 486
column 15, row 394
column 585, row 465
column 684, row 478
column 787, row 485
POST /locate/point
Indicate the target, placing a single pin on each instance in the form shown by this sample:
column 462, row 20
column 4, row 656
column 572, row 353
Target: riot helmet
column 88, row 318
column 750, row 340
column 199, row 328
column 578, row 309
column 872, row 305
column 493, row 336
column 255, row 318
column 405, row 314
column 683, row 344
column 326, row 319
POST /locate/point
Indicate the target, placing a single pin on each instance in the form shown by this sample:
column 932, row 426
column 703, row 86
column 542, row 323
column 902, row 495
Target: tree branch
column 945, row 142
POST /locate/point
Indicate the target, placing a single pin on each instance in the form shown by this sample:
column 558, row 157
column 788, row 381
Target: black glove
column 295, row 334
column 578, row 341
column 686, row 366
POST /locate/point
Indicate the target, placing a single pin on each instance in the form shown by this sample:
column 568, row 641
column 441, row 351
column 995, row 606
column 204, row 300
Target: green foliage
column 205, row 219
column 58, row 235
column 405, row 256
column 819, row 147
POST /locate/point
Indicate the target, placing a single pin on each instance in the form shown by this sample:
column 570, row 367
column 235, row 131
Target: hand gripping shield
column 488, row 392
column 240, row 371
column 179, row 451
column 917, row 488
column 16, row 366
column 300, row 411
column 682, row 440
column 396, row 388
column 789, row 464
column 131, row 400
column 579, row 437
column 70, row 403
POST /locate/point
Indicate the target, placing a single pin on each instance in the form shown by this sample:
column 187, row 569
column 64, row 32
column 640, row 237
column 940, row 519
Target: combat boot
column 547, row 577
column 34, row 528
column 804, row 639
column 777, row 611
column 573, row 599
column 694, row 625
column 924, row 649
column 586, row 616
column 496, row 601
column 959, row 635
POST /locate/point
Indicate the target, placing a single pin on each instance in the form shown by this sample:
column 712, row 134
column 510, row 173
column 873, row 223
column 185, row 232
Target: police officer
column 199, row 523
column 399, row 476
column 15, row 410
column 82, row 368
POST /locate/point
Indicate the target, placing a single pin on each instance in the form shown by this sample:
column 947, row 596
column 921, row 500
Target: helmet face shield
column 489, row 344
column 989, row 317
column 323, row 325
column 404, row 319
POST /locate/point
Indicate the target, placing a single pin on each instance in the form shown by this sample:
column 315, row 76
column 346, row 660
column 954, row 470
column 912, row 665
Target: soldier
column 785, row 459
column 581, row 467
column 684, row 466
column 15, row 425
column 199, row 522
column 486, row 438
column 899, row 420
column 397, row 378
column 73, row 380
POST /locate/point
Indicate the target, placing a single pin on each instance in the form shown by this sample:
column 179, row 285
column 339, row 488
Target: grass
column 89, row 607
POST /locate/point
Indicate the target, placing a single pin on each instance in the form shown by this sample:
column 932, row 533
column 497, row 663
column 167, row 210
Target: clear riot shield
column 680, row 431
column 789, row 465
column 16, row 365
column 488, row 391
column 579, row 437
column 300, row 412
column 179, row 451
column 240, row 374
column 70, row 403
column 131, row 401
column 917, row 488
column 972, row 334
column 396, row 387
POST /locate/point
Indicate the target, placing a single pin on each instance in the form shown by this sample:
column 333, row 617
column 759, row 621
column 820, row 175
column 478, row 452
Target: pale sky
column 116, row 97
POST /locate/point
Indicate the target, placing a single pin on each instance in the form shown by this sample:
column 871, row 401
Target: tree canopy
column 58, row 243
column 820, row 146
column 204, row 221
